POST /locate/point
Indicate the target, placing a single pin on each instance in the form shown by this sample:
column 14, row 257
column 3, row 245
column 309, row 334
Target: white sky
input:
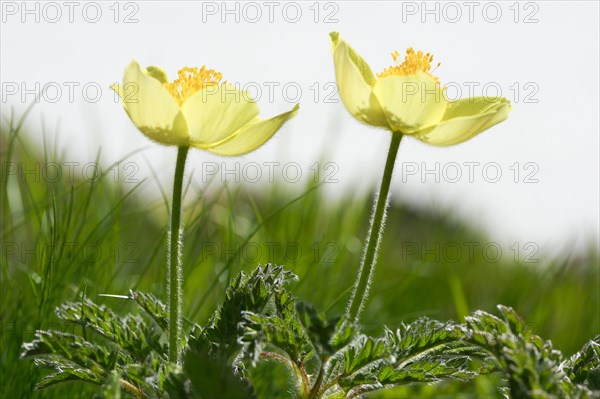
column 543, row 56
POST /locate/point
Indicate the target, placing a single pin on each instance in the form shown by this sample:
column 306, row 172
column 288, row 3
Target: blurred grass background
column 60, row 236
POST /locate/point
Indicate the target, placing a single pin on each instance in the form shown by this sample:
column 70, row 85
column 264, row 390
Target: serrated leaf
column 123, row 345
column 319, row 329
column 68, row 374
column 530, row 365
column 280, row 328
column 72, row 348
column 422, row 351
column 584, row 366
column 286, row 334
column 130, row 333
column 153, row 307
column 344, row 333
column 365, row 350
column 245, row 294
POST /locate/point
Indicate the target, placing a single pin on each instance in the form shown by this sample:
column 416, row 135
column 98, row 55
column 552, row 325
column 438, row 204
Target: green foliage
column 71, row 355
column 245, row 294
column 205, row 375
column 126, row 349
column 260, row 320
column 584, row 366
column 132, row 334
column 46, row 227
column 153, row 307
column 531, row 366
column 419, row 352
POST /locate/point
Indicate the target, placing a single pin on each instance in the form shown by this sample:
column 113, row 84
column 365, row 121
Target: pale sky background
column 543, row 56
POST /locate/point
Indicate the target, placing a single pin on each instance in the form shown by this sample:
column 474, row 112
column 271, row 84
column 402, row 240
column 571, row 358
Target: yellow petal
column 157, row 73
column 355, row 82
column 253, row 135
column 151, row 108
column 411, row 102
column 216, row 112
column 465, row 119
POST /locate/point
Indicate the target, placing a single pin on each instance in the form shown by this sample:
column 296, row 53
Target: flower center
column 190, row 80
column 413, row 62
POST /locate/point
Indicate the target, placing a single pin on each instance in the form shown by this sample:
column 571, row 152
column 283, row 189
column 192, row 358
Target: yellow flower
column 196, row 109
column 408, row 99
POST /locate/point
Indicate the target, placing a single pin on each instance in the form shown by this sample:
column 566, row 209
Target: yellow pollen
column 190, row 80
column 413, row 62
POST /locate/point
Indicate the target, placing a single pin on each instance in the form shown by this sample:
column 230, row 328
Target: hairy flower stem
column 174, row 261
column 367, row 267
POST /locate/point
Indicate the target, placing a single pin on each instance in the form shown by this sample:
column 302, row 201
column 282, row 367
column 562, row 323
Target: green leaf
column 130, row 333
column 148, row 376
column 584, row 366
column 125, row 345
column 214, row 378
column 345, row 330
column 68, row 372
column 111, row 388
column 320, row 329
column 177, row 384
column 282, row 330
column 153, row 307
column 245, row 294
column 531, row 366
column 422, row 351
column 364, row 351
column 71, row 348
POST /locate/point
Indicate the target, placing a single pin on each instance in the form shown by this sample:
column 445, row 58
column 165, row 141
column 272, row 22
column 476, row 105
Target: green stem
column 367, row 267
column 174, row 261
column 138, row 393
column 315, row 390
